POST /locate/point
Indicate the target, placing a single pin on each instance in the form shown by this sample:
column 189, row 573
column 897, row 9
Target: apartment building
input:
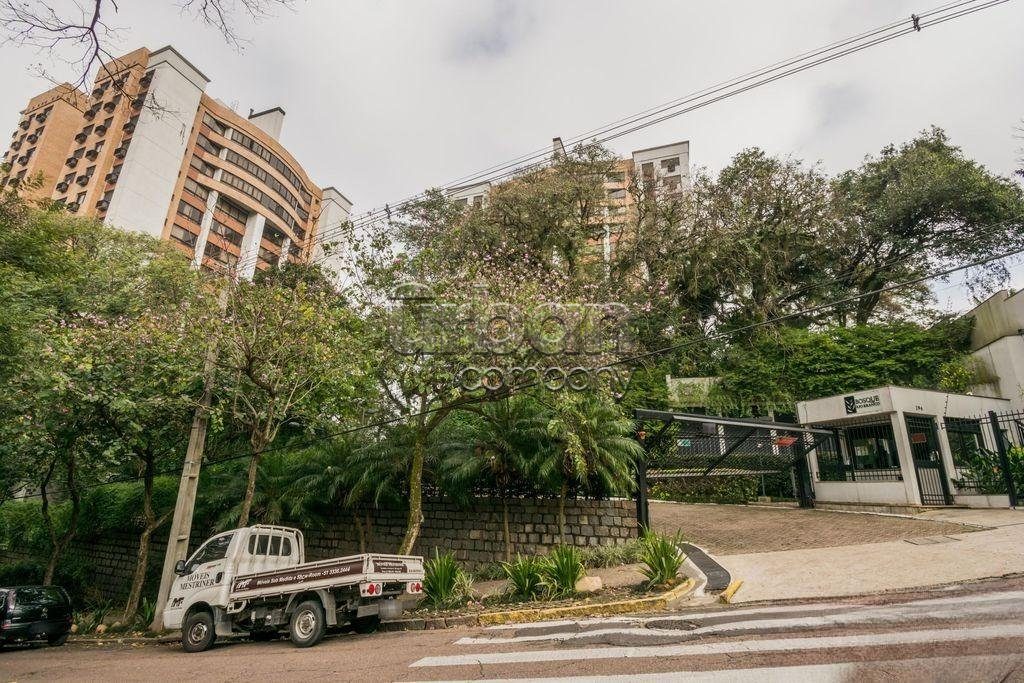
column 149, row 150
column 662, row 171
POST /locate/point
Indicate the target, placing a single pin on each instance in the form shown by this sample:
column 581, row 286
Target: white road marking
column 767, row 645
column 826, row 673
column 724, row 612
column 888, row 614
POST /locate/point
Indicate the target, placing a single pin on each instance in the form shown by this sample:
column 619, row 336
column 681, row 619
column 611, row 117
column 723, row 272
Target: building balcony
column 119, row 83
column 72, row 207
column 41, row 118
column 146, row 80
column 16, row 146
column 63, row 186
column 138, row 102
column 92, row 154
column 129, row 127
column 103, row 205
column 33, row 138
column 121, row 151
column 90, row 114
column 82, row 179
column 82, row 137
column 98, row 92
column 71, row 162
column 112, row 176
column 100, row 130
column 110, row 106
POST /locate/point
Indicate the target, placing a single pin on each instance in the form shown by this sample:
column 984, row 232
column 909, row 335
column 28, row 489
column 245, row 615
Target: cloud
column 494, row 30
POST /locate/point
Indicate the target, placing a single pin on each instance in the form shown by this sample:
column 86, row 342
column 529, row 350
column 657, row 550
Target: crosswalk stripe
column 766, row 645
column 824, row 673
column 880, row 614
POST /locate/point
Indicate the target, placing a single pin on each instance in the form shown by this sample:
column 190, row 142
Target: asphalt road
column 961, row 633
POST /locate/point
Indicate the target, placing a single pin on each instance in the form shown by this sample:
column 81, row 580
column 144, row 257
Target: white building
column 906, row 447
column 997, row 344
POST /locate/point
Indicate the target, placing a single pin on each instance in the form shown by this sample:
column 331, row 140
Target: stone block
column 589, row 584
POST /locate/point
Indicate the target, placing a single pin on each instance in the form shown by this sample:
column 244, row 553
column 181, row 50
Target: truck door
column 204, row 572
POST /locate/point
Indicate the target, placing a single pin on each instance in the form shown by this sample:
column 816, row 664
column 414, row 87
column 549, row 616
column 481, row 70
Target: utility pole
column 184, row 508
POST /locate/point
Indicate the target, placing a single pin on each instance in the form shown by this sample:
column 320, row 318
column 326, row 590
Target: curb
column 663, row 601
column 726, row 595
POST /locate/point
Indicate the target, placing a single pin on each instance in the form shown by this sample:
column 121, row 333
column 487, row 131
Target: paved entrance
column 744, row 529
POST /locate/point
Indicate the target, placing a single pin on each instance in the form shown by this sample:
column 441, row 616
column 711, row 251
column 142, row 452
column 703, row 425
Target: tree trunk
column 508, row 535
column 60, row 544
column 250, row 486
column 562, row 493
column 141, row 558
column 412, row 529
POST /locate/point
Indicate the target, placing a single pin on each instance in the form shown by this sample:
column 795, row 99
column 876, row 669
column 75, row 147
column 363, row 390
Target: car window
column 261, row 544
column 275, row 545
column 215, row 549
column 39, row 596
column 286, row 546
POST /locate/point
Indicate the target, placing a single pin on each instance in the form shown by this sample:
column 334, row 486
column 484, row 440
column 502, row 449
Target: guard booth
column 686, row 451
column 897, row 446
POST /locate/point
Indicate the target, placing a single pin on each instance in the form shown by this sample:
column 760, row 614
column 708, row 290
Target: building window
column 183, row 236
column 190, row 212
column 226, row 232
column 204, row 143
column 869, row 453
column 201, row 166
column 275, row 161
column 615, row 177
column 196, row 189
column 233, row 210
column 214, row 124
column 617, row 194
column 670, row 165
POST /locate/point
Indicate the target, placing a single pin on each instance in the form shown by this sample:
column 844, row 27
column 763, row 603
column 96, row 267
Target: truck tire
column 198, row 632
column 307, row 624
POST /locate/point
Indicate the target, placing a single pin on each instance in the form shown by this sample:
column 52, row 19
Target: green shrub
column 561, row 570
column 445, row 584
column 737, row 489
column 661, row 557
column 612, row 555
column 144, row 617
column 525, row 576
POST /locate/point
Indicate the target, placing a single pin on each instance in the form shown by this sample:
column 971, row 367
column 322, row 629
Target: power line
column 723, row 90
column 630, row 360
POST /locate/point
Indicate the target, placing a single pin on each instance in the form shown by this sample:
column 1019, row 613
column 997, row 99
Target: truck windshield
column 215, row 549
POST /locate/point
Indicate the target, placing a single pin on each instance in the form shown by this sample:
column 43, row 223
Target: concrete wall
column 881, row 492
column 150, row 172
column 1003, row 359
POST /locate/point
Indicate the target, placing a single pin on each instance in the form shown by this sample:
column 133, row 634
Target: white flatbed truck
column 255, row 580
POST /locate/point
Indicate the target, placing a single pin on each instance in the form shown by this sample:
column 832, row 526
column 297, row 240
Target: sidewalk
column 875, row 567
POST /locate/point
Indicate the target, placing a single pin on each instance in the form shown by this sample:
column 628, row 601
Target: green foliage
column 144, row 617
column 611, row 555
column 792, row 365
column 525, row 576
column 661, row 557
column 445, row 584
column 561, row 569
column 984, row 471
column 723, row 490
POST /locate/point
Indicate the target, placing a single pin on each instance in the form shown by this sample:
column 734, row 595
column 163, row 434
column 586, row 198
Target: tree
column 591, row 449
column 289, row 350
column 913, row 208
column 493, row 446
column 779, row 368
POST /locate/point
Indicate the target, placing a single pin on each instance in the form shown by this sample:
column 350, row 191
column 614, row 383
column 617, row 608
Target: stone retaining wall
column 474, row 534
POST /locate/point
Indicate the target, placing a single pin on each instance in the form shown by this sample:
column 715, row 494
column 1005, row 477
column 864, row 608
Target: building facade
column 997, row 346
column 148, row 150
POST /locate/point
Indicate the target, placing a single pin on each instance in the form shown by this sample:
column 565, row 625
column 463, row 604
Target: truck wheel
column 198, row 632
column 366, row 624
column 307, row 625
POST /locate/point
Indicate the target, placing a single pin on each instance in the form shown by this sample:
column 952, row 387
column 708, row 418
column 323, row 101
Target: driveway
column 745, row 529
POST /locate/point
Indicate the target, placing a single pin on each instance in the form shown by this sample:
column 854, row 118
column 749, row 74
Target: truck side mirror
column 179, row 568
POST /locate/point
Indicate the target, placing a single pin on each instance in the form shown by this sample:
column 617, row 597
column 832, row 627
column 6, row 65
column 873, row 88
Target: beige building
column 148, row 150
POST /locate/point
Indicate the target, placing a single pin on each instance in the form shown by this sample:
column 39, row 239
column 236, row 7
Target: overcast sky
column 387, row 97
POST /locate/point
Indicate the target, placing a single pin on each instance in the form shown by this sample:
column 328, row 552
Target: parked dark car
column 34, row 614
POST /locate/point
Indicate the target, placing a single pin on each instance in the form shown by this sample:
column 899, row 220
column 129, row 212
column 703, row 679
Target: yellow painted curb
column 726, row 595
column 591, row 610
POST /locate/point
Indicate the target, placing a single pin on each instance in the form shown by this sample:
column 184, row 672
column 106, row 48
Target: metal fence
column 866, row 452
column 988, row 454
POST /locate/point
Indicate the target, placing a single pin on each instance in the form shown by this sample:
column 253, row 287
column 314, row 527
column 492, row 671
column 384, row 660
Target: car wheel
column 366, row 624
column 57, row 641
column 307, row 624
column 198, row 633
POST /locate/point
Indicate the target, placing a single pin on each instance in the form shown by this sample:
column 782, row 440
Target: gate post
column 803, row 478
column 643, row 515
column 1004, row 460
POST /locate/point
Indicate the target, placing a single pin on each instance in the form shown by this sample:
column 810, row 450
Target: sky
column 387, row 97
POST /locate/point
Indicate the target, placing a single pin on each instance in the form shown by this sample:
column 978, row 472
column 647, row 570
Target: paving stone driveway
column 740, row 529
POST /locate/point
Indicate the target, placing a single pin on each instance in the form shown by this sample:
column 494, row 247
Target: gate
column 690, row 455
column 931, row 473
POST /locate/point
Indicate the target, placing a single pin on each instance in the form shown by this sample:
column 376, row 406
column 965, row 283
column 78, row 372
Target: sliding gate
column 690, row 454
